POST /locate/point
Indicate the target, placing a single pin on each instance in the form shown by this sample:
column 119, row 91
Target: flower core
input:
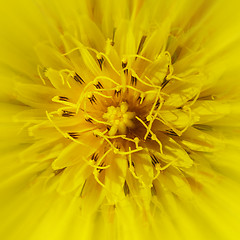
column 119, row 119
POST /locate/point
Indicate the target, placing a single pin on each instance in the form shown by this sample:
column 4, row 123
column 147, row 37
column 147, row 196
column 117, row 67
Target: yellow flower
column 120, row 119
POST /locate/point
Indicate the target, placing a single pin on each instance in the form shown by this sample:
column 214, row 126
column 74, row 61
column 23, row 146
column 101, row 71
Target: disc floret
column 119, row 119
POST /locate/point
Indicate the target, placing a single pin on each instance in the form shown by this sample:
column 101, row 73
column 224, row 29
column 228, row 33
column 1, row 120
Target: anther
column 113, row 37
column 157, row 104
column 117, row 92
column 61, row 98
column 78, row 79
column 140, row 47
column 92, row 99
column 98, row 85
column 133, row 81
column 100, row 169
column 74, row 135
column 124, row 65
column 154, row 160
column 164, row 83
column 100, row 60
column 95, row 157
column 126, row 188
column 58, row 171
column 88, row 120
column 66, row 113
column 149, row 136
column 176, row 54
column 171, row 133
column 140, row 99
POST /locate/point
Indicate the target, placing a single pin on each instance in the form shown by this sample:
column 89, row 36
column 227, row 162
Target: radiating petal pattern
column 119, row 119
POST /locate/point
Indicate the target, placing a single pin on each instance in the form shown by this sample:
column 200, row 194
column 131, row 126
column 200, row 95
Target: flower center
column 119, row 119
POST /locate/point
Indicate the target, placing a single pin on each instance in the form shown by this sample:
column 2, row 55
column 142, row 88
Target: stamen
column 58, row 171
column 100, row 60
column 133, row 81
column 101, row 167
column 167, row 165
column 151, row 118
column 153, row 136
column 126, row 189
column 152, row 83
column 103, row 95
column 102, row 157
column 63, row 100
column 92, row 99
column 154, row 160
column 140, row 47
column 116, row 150
column 88, row 120
column 78, row 79
column 124, row 66
column 73, row 135
column 113, row 36
column 117, row 92
column 82, row 188
column 96, row 173
column 171, row 133
column 71, row 51
column 129, row 152
column 139, row 56
column 105, row 57
column 141, row 98
column 57, row 128
column 176, row 54
column 164, row 83
column 178, row 132
column 95, row 81
column 157, row 104
column 134, row 89
column 101, row 134
column 66, row 113
column 98, row 85
column 143, row 82
column 95, row 156
column 69, row 74
column 83, row 95
column 131, row 168
column 125, row 138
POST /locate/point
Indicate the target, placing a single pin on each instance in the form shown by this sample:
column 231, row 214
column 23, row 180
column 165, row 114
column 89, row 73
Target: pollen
column 119, row 119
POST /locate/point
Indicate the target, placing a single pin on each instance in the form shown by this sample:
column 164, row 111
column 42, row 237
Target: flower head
column 119, row 108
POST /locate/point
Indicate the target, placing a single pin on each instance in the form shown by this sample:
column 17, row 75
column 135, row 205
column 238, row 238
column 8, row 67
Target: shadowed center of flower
column 119, row 119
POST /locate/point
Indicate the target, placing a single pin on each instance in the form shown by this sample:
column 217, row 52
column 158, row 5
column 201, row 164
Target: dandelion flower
column 120, row 119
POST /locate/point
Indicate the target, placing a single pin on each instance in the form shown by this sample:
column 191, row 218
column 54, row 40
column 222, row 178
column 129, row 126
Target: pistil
column 119, row 119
